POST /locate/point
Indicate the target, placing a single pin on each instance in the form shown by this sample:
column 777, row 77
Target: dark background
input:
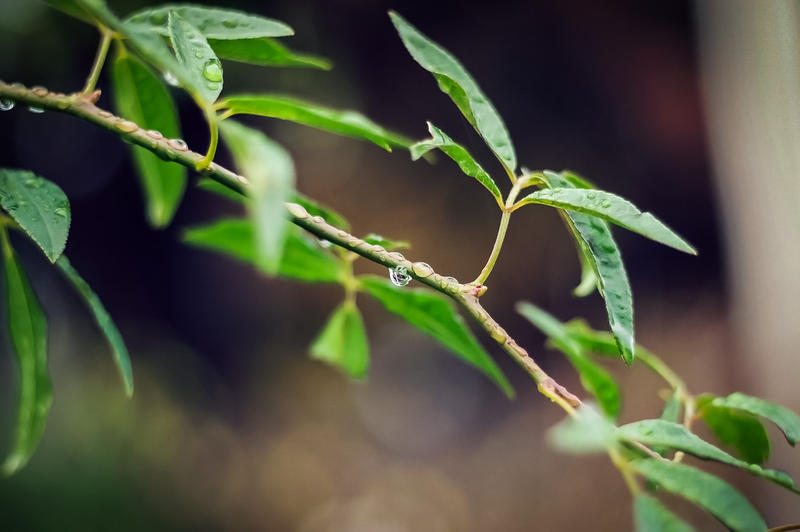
column 232, row 427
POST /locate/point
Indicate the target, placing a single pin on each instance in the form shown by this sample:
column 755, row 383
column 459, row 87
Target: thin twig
column 83, row 106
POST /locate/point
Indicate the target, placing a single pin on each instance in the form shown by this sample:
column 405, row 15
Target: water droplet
column 399, row 276
column 375, row 248
column 212, row 70
column 325, row 243
column 178, row 144
column 6, row 105
column 422, row 269
column 39, row 91
column 591, row 195
column 23, row 203
column 105, row 114
column 318, row 220
column 126, row 126
column 396, row 255
column 297, row 210
column 61, row 211
column 212, row 86
column 33, row 183
column 199, row 54
column 605, row 204
column 229, row 23
column 153, row 134
column 37, row 110
column 170, row 78
column 449, row 283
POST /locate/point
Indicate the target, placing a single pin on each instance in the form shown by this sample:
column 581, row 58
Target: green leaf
column 595, row 380
column 587, row 433
column 612, row 279
column 434, row 315
column 140, row 96
column 271, row 173
column 303, row 259
column 662, row 433
column 27, row 328
column 196, row 56
column 672, row 408
column 347, row 123
column 148, row 44
column 785, row 419
column 39, row 207
column 611, row 208
column 343, row 342
column 387, row 244
column 266, row 52
column 454, row 81
column 738, row 429
column 588, row 276
column 213, row 22
column 650, row 516
column 104, row 321
column 459, row 154
column 707, row 491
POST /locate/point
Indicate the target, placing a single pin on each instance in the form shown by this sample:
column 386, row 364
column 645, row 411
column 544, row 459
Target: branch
column 83, row 106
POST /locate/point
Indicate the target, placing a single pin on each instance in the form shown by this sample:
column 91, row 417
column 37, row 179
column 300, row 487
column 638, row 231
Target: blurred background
column 689, row 110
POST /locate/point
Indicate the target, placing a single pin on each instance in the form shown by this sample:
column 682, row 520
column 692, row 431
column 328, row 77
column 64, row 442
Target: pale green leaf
column 140, row 96
column 196, row 56
column 347, row 123
column 386, row 243
column 434, row 315
column 270, row 170
column 658, row 432
column 735, row 428
column 266, row 52
column 213, row 22
column 594, row 378
column 588, row 276
column 612, row 279
column 343, row 342
column 104, row 321
column 39, row 207
column 454, row 80
column 303, row 259
column 587, row 433
column 611, row 208
column 785, row 419
column 707, row 491
column 27, row 332
column 459, row 154
column 672, row 408
column 649, row 515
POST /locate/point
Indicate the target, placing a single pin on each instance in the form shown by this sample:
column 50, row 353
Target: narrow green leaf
column 707, row 491
column 343, row 342
column 588, row 281
column 577, row 181
column 649, row 515
column 735, row 428
column 347, row 123
column 140, row 96
column 587, row 433
column 213, row 22
column 454, row 81
column 271, row 173
column 39, row 207
column 595, row 380
column 785, row 419
column 611, row 208
column 434, row 315
column 302, row 259
column 672, row 408
column 459, row 154
column 667, row 434
column 27, row 328
column 266, row 52
column 612, row 279
column 197, row 57
column 104, row 321
column 387, row 244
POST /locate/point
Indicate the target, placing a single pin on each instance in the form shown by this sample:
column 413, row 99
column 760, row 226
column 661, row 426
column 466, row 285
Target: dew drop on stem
column 399, row 276
column 6, row 105
column 170, row 78
column 36, row 110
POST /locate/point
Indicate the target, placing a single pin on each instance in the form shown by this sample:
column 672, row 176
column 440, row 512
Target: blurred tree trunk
column 750, row 63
